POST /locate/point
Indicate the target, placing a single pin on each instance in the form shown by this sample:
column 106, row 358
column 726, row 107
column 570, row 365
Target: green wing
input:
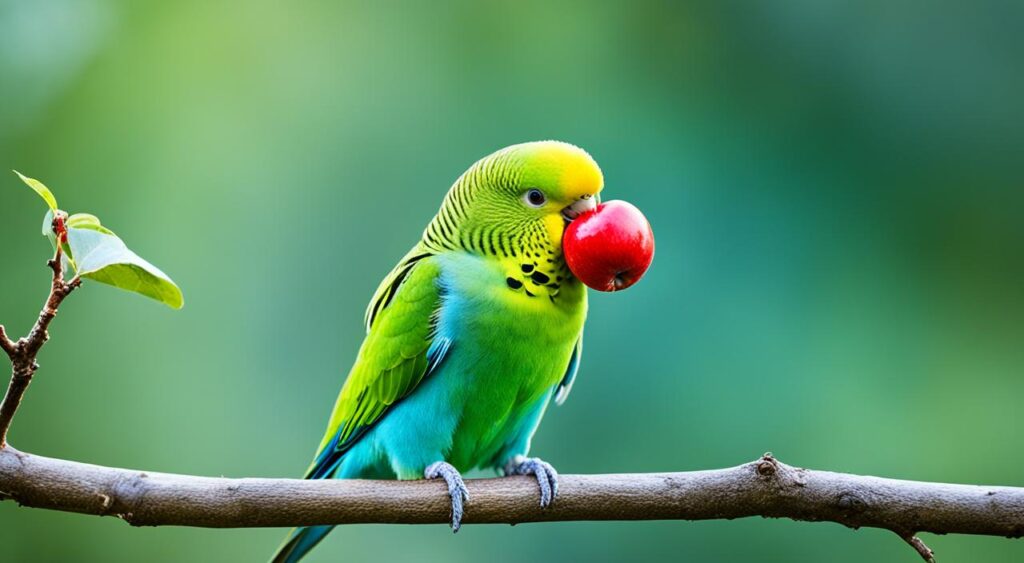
column 400, row 349
column 562, row 391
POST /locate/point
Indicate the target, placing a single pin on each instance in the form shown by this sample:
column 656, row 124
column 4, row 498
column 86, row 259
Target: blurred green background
column 836, row 190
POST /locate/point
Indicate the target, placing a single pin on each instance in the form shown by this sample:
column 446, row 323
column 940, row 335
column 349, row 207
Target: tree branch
column 23, row 352
column 765, row 487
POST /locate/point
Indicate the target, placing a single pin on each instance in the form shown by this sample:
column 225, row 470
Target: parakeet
column 470, row 337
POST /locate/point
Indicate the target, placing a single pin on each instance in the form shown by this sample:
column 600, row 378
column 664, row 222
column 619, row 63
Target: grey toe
column 456, row 488
column 547, row 477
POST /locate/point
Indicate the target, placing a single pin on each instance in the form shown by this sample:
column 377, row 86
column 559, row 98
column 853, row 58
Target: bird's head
column 518, row 200
column 557, row 183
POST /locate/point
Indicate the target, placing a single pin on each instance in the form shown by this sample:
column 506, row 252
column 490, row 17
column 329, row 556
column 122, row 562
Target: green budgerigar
column 470, row 337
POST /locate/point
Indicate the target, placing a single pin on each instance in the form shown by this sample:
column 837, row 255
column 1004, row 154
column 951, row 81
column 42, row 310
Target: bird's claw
column 456, row 488
column 547, row 477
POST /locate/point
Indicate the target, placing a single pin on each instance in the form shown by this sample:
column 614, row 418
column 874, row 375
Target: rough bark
column 765, row 487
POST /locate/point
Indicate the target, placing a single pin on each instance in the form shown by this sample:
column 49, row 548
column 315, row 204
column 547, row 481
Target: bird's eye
column 535, row 198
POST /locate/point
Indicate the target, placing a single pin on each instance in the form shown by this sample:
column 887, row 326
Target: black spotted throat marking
column 536, row 282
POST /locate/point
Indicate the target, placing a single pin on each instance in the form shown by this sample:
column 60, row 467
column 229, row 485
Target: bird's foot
column 456, row 488
column 546, row 475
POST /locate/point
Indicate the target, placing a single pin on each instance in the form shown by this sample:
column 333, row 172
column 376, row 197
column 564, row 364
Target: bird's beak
column 581, row 206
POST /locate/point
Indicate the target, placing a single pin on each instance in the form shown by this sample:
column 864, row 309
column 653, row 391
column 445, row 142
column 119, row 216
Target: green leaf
column 40, row 189
column 48, row 228
column 104, row 258
column 87, row 221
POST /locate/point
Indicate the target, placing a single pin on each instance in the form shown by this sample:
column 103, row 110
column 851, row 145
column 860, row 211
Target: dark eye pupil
column 535, row 197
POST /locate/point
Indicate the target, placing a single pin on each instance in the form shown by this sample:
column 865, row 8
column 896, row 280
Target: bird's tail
column 299, row 542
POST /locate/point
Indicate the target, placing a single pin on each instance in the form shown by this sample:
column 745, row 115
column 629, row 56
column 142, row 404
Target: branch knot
column 851, row 503
column 767, row 466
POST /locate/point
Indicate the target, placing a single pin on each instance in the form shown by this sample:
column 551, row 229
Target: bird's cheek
column 555, row 226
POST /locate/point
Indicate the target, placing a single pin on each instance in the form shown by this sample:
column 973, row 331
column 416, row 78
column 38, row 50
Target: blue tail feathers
column 299, row 542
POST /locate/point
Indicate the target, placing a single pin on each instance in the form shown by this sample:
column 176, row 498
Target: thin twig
column 6, row 344
column 923, row 550
column 23, row 352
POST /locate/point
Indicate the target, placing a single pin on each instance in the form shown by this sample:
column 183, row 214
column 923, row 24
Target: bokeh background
column 836, row 190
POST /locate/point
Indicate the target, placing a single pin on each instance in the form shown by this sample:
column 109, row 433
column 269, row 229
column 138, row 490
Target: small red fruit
column 609, row 248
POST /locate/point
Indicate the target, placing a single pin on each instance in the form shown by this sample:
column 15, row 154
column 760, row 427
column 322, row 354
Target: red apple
column 609, row 248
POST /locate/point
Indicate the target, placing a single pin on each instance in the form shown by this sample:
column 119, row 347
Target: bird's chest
column 511, row 313
column 510, row 347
